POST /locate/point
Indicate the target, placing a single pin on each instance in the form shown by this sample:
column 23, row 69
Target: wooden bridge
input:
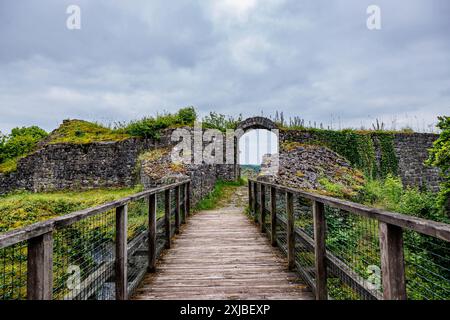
column 149, row 246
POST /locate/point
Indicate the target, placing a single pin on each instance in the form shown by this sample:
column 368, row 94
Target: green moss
column 9, row 165
column 24, row 208
column 84, row 132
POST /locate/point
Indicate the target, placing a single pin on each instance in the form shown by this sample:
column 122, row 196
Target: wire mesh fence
column 427, row 264
column 83, row 249
column 353, row 247
column 13, row 268
column 353, row 251
column 83, row 259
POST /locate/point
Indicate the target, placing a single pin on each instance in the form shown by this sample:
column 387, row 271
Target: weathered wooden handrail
column 391, row 226
column 40, row 239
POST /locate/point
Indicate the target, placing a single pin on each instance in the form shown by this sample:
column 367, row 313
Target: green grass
column 22, row 209
column 221, row 193
column 84, row 132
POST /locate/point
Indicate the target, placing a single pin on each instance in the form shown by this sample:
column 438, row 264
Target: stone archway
column 245, row 127
column 257, row 123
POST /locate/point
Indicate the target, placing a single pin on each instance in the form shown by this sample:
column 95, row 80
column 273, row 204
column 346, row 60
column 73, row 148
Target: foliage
column 17, row 144
column 150, row 127
column 24, row 208
column 83, row 132
column 221, row 122
column 440, row 157
column 222, row 190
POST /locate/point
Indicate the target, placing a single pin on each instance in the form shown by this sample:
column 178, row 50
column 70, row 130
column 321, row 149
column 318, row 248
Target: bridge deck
column 222, row 255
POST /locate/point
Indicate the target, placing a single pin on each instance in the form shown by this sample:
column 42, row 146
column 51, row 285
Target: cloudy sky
column 314, row 59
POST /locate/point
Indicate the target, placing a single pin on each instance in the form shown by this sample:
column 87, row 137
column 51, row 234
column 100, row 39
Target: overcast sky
column 315, row 59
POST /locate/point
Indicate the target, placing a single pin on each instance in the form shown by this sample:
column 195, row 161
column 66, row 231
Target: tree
column 440, row 157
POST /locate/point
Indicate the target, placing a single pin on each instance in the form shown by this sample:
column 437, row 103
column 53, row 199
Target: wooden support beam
column 167, row 209
column 121, row 253
column 177, row 210
column 40, row 267
column 152, row 205
column 320, row 250
column 290, row 230
column 184, row 209
column 262, row 208
column 392, row 262
column 250, row 197
column 255, row 201
column 188, row 201
column 273, row 215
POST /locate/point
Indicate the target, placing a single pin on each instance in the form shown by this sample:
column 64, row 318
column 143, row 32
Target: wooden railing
column 391, row 227
column 39, row 239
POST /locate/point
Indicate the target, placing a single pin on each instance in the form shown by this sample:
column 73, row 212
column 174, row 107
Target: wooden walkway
column 222, row 255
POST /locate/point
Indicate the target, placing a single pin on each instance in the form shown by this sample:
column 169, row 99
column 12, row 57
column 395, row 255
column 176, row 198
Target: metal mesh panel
column 83, row 259
column 137, row 230
column 427, row 264
column 304, row 237
column 354, row 255
column 13, row 272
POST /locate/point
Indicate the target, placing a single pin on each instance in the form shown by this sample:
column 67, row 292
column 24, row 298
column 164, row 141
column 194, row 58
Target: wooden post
column 40, row 267
column 188, row 201
column 273, row 215
column 290, row 230
column 184, row 211
column 255, row 201
column 392, row 262
column 121, row 253
column 250, row 205
column 177, row 209
column 167, row 209
column 262, row 208
column 152, row 233
column 320, row 250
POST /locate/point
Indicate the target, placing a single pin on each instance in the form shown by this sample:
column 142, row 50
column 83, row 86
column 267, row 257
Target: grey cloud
column 315, row 59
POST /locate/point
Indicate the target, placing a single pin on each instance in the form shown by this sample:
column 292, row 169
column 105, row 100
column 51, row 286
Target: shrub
column 18, row 143
column 440, row 157
column 150, row 127
column 221, row 122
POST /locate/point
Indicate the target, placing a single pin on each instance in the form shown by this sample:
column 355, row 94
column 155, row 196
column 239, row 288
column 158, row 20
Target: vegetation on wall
column 150, row 127
column 83, row 132
column 17, row 144
column 220, row 121
column 24, row 208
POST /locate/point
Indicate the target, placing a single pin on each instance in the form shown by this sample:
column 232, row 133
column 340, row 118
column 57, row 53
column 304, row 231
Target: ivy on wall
column 359, row 148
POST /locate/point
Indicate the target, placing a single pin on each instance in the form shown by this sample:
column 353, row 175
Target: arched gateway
column 255, row 139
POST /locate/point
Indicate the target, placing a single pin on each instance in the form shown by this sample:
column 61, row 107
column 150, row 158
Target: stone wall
column 411, row 150
column 78, row 166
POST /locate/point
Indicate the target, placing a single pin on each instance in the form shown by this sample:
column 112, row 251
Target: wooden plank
column 177, row 210
column 273, row 216
column 392, row 262
column 222, row 255
column 320, row 251
column 262, row 209
column 290, row 230
column 152, row 205
column 167, row 212
column 121, row 253
column 40, row 267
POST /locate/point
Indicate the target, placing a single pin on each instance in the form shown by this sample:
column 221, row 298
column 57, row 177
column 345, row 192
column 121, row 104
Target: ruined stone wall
column 411, row 150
